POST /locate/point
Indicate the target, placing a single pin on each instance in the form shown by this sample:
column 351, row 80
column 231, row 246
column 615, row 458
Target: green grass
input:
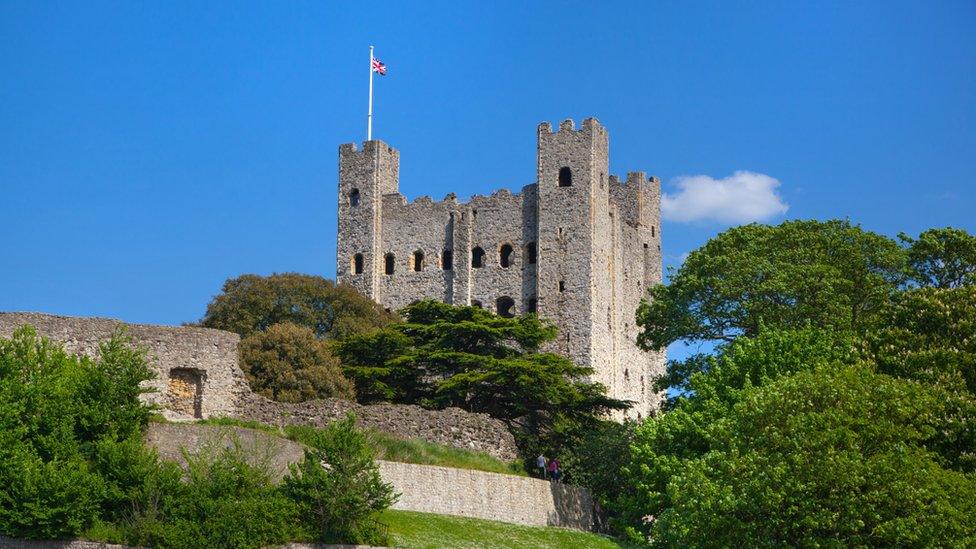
column 412, row 530
column 391, row 448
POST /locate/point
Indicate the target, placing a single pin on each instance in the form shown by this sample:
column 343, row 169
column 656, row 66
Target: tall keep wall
column 597, row 244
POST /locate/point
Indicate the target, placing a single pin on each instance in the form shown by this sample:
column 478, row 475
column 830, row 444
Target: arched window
column 357, row 264
column 389, row 264
column 505, row 306
column 565, row 177
column 447, row 260
column 530, row 253
column 532, row 305
column 477, row 258
column 418, row 261
column 505, row 256
column 354, row 197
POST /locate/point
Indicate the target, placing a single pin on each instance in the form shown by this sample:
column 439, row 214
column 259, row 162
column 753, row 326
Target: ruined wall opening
column 476, row 303
column 562, row 285
column 418, row 261
column 354, row 197
column 530, row 253
column 505, row 306
column 357, row 264
column 505, row 256
column 185, row 392
column 565, row 177
column 477, row 258
column 447, row 260
column 388, row 267
column 532, row 305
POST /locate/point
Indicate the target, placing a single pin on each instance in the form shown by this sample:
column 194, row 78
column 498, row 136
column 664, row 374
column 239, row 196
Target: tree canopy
column 470, row 358
column 250, row 303
column 942, row 258
column 829, row 274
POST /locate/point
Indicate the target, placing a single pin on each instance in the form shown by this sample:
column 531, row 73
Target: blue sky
column 149, row 151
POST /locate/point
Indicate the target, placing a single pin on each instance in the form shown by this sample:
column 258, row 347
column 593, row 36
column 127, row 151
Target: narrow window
column 565, row 177
column 652, row 231
column 530, row 252
column 357, row 264
column 505, row 306
column 389, row 264
column 562, row 285
column 532, row 305
column 354, row 197
column 505, row 256
column 477, row 258
column 447, row 260
column 418, row 261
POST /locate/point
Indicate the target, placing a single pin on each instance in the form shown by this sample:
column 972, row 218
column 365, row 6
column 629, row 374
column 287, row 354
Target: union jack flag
column 379, row 67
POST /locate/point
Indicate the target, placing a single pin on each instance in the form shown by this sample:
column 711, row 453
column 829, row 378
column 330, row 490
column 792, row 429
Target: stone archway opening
column 184, row 393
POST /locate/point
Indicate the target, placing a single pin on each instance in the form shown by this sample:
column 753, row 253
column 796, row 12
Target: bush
column 64, row 421
column 225, row 502
column 287, row 363
column 337, row 486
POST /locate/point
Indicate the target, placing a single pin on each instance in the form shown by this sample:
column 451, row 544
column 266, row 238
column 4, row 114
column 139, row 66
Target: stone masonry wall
column 197, row 371
column 423, row 488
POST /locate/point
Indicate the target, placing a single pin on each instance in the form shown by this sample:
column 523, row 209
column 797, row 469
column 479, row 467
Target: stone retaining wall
column 197, row 371
column 423, row 488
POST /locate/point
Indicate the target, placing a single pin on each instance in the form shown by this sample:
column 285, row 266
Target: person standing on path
column 541, row 463
column 554, row 470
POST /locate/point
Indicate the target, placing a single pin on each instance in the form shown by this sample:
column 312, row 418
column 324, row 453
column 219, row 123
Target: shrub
column 337, row 487
column 287, row 363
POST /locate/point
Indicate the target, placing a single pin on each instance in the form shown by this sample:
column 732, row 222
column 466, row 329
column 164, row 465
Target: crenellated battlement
column 578, row 246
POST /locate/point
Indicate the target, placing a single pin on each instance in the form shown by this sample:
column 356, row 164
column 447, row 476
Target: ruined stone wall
column 596, row 241
column 197, row 371
column 452, row 426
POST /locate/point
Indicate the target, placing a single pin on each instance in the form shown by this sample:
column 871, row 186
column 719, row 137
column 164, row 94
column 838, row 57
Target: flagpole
column 369, row 117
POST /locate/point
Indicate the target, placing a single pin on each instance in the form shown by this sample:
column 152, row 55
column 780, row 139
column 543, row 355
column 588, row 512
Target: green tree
column 251, row 303
column 287, row 363
column 833, row 456
column 338, row 485
column 664, row 443
column 830, row 274
column 941, row 258
column 470, row 358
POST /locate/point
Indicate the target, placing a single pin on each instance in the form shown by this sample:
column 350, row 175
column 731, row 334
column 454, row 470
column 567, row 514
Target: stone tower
column 578, row 247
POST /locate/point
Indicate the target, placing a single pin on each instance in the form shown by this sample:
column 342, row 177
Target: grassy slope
column 391, row 448
column 412, row 530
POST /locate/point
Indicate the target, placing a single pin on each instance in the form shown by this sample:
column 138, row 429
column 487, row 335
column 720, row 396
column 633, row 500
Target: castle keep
column 578, row 247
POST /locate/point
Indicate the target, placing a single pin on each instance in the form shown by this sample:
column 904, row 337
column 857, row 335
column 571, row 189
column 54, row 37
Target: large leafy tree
column 942, row 258
column 251, row 303
column 470, row 358
column 288, row 363
column 834, row 456
column 829, row 274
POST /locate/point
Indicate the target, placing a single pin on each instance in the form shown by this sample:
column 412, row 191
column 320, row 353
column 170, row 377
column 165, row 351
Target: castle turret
column 364, row 177
column 572, row 171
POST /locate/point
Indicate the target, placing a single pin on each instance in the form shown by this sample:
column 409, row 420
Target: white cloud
column 743, row 197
